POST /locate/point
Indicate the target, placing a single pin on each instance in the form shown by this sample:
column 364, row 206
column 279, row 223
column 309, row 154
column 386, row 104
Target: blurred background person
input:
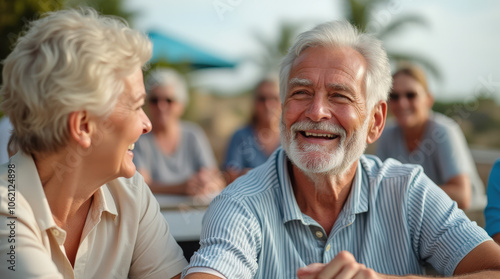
column 5, row 131
column 176, row 157
column 73, row 90
column 251, row 145
column 492, row 211
column 421, row 136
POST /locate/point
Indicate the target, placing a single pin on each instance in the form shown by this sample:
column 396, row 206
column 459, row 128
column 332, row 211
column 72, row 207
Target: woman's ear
column 430, row 100
column 377, row 122
column 80, row 128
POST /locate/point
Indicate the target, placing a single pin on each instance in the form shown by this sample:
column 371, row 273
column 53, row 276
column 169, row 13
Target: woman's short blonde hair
column 67, row 61
column 414, row 72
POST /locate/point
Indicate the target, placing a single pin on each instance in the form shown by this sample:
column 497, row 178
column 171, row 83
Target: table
column 184, row 215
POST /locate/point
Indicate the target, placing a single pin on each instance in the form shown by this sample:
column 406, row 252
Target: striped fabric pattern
column 395, row 220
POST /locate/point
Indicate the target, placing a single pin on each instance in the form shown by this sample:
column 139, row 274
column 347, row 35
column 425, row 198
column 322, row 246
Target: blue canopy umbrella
column 177, row 52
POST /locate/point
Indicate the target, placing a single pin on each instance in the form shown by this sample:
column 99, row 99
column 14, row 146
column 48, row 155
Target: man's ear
column 80, row 128
column 377, row 122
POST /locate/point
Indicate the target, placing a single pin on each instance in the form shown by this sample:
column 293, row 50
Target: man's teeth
column 131, row 147
column 319, row 135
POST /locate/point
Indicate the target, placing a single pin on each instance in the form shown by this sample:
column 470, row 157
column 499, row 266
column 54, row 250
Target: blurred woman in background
column 492, row 210
column 176, row 158
column 421, row 136
column 73, row 90
column 251, row 145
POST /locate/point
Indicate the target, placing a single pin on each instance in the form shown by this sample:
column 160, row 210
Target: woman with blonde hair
column 75, row 205
column 421, row 136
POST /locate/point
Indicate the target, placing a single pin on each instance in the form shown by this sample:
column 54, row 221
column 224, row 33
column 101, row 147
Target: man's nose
column 319, row 109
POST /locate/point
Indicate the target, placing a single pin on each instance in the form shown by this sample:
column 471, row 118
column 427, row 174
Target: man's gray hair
column 336, row 34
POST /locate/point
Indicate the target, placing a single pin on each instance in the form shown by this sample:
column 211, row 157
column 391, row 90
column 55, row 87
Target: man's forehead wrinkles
column 341, row 70
column 329, row 79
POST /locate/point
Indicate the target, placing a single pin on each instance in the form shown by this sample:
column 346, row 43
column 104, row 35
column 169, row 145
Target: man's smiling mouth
column 318, row 135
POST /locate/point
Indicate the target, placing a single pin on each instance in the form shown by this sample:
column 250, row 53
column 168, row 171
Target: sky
column 462, row 37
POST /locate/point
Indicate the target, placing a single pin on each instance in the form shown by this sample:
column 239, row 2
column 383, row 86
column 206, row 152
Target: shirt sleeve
column 441, row 234
column 492, row 211
column 22, row 254
column 156, row 253
column 230, row 239
column 453, row 152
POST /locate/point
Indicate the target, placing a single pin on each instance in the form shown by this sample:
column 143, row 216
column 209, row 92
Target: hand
column 193, row 185
column 205, row 182
column 344, row 266
column 212, row 180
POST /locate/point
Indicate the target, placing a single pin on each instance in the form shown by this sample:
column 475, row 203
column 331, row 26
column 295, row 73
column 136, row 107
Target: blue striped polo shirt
column 394, row 221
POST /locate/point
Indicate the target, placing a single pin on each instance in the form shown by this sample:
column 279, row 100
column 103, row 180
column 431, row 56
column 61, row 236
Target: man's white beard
column 320, row 159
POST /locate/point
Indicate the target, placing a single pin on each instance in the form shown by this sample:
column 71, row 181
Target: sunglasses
column 155, row 100
column 409, row 95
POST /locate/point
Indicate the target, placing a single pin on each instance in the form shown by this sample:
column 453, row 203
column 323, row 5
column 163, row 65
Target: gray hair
column 67, row 61
column 168, row 77
column 337, row 34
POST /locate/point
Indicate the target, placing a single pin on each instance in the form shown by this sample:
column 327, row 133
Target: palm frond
column 427, row 64
column 402, row 22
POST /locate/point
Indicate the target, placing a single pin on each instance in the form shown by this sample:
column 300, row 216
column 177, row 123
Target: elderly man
column 318, row 208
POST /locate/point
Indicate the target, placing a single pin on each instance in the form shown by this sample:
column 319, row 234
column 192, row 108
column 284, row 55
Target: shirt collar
column 30, row 186
column 103, row 202
column 357, row 201
column 291, row 210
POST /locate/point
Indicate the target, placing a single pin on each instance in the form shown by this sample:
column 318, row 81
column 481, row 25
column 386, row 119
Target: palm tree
column 360, row 13
column 13, row 17
column 15, row 14
column 274, row 50
column 107, row 7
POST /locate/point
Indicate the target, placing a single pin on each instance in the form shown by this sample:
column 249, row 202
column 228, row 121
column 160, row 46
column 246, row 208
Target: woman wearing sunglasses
column 176, row 157
column 421, row 136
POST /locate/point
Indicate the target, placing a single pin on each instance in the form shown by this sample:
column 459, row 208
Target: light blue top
column 492, row 211
column 193, row 153
column 442, row 152
column 394, row 220
column 244, row 151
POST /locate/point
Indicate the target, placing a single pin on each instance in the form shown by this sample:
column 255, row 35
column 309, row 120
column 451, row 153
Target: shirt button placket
column 319, row 234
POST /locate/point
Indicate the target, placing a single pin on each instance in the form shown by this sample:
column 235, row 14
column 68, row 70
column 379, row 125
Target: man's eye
column 299, row 92
column 340, row 96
